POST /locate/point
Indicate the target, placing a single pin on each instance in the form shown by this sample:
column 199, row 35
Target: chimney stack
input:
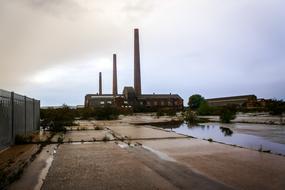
column 115, row 87
column 137, row 69
column 100, row 83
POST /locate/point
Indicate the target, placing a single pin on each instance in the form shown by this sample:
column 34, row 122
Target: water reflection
column 226, row 131
column 229, row 136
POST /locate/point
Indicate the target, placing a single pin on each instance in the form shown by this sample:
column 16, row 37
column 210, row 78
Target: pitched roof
column 161, row 96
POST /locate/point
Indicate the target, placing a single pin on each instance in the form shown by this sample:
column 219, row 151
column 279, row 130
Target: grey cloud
column 216, row 48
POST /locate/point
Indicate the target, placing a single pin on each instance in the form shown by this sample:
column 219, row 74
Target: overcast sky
column 53, row 50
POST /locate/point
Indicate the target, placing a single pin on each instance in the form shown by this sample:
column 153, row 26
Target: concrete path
column 108, row 166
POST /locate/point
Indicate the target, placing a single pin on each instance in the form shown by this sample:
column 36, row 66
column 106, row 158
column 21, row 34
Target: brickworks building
column 132, row 96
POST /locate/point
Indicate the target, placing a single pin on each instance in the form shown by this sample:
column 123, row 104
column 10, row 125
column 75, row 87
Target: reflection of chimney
column 137, row 69
column 100, row 83
column 115, row 87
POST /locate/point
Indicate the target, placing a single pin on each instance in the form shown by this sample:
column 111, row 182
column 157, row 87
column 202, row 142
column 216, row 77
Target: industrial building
column 132, row 97
column 248, row 101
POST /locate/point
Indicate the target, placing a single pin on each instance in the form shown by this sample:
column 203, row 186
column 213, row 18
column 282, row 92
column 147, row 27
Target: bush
column 57, row 119
column 159, row 113
column 99, row 128
column 106, row 113
column 276, row 107
column 227, row 114
column 170, row 112
column 166, row 111
column 204, row 109
column 190, row 117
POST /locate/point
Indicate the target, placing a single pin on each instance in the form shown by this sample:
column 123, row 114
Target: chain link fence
column 19, row 115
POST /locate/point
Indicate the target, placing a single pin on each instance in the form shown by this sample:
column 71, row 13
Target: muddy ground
column 122, row 155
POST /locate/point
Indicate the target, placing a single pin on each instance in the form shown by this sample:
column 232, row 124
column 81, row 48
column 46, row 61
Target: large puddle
column 258, row 137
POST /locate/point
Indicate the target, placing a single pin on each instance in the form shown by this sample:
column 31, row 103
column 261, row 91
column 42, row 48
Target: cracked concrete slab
column 238, row 167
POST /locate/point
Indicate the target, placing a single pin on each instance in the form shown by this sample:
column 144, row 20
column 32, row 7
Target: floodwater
column 253, row 136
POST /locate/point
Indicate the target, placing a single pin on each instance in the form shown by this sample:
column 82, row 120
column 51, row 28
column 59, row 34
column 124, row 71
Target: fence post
column 12, row 115
column 25, row 97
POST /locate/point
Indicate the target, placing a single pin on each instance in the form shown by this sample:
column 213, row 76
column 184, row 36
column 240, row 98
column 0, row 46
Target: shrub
column 99, row 128
column 166, row 111
column 170, row 112
column 227, row 114
column 276, row 107
column 204, row 109
column 190, row 117
column 57, row 119
column 159, row 113
column 106, row 113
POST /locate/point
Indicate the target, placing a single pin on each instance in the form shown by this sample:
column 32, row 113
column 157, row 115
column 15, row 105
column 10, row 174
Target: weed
column 60, row 139
column 99, row 128
column 210, row 140
column 106, row 138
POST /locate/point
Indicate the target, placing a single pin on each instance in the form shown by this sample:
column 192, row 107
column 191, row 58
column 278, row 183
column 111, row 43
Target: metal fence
column 19, row 115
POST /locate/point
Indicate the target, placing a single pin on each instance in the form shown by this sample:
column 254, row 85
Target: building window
column 141, row 103
column 162, row 103
column 155, row 103
column 102, row 102
column 148, row 103
column 169, row 103
column 109, row 102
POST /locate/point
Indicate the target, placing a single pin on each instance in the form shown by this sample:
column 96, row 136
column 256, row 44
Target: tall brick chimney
column 100, row 83
column 115, row 84
column 137, row 69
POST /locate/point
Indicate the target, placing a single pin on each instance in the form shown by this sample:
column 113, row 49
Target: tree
column 195, row 101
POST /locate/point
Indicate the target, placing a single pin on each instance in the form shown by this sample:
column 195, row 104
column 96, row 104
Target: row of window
column 146, row 103
column 160, row 103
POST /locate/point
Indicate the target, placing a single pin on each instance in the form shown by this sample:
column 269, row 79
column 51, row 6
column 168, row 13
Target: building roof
column 128, row 89
column 103, row 95
column 161, row 96
column 232, row 97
